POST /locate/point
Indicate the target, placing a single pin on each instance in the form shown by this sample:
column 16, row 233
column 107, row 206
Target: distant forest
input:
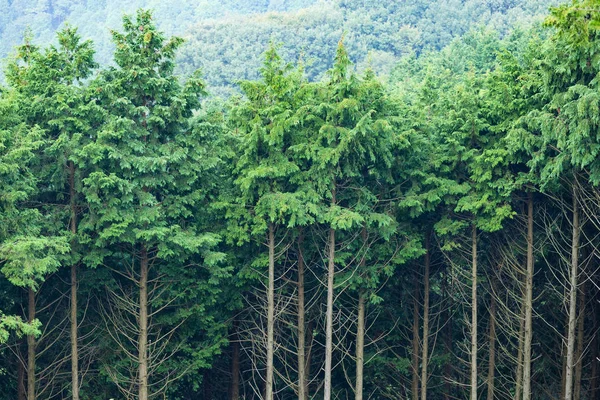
column 300, row 200
column 225, row 39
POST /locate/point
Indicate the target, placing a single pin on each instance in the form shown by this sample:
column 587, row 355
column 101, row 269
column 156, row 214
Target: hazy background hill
column 227, row 37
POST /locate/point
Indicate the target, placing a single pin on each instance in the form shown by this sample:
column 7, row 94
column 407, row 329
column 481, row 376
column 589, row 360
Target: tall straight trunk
column 329, row 326
column 143, row 337
column 474, row 314
column 74, row 346
column 572, row 298
column 425, row 357
column 520, row 345
column 270, row 314
column 415, row 343
column 360, row 346
column 31, row 349
column 492, row 355
column 528, row 303
column 235, row 365
column 21, row 393
column 580, row 345
column 302, row 381
column 360, row 328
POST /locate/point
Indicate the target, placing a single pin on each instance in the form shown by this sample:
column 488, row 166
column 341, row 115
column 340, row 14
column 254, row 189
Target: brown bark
column 528, row 303
column 425, row 357
column 31, row 349
column 329, row 326
column 474, row 315
column 580, row 344
column 74, row 345
column 143, row 336
column 572, row 298
column 302, row 381
column 270, row 314
column 492, row 350
column 360, row 329
column 415, row 343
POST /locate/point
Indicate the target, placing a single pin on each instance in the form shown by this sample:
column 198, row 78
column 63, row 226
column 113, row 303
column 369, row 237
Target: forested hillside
column 226, row 38
column 393, row 205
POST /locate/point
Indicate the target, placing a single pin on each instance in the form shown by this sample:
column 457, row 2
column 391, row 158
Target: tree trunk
column 580, row 344
column 360, row 328
column 572, row 299
column 270, row 314
column 31, row 350
column 528, row 303
column 360, row 346
column 235, row 365
column 74, row 323
column 302, row 381
column 492, row 355
column 474, row 315
column 415, row 343
column 329, row 326
column 425, row 357
column 143, row 338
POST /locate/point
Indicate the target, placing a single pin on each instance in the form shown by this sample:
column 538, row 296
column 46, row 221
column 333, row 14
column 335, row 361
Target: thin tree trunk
column 143, row 338
column 492, row 355
column 270, row 314
column 74, row 323
column 329, row 326
column 415, row 343
column 235, row 365
column 360, row 328
column 572, row 299
column 302, row 381
column 528, row 303
column 474, row 315
column 360, row 346
column 425, row 357
column 31, row 350
column 580, row 345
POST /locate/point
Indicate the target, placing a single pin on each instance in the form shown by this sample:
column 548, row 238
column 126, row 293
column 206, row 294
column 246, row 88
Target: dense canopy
column 348, row 199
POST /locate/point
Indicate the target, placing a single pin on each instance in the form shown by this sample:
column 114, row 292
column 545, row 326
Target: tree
column 146, row 193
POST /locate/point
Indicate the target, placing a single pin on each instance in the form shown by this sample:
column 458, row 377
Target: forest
column 354, row 208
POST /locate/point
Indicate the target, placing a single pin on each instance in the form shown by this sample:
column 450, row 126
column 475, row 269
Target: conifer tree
column 146, row 190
